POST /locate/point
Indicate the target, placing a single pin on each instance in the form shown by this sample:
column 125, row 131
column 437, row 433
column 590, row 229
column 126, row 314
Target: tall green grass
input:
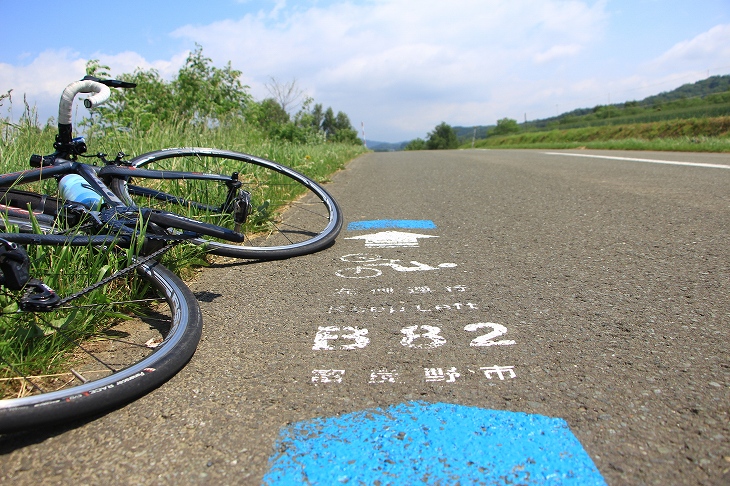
column 34, row 342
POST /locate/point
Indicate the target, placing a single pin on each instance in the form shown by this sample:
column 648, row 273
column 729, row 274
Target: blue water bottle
column 73, row 187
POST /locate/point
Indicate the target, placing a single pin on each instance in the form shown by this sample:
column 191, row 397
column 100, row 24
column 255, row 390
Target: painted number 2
column 488, row 338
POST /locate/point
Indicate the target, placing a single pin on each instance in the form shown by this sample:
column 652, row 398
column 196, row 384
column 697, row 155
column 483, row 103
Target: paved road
column 593, row 290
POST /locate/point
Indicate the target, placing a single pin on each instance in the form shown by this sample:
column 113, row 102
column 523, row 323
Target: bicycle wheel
column 289, row 214
column 98, row 354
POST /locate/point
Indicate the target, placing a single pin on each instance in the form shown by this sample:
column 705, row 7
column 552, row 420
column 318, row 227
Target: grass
column 694, row 135
column 33, row 341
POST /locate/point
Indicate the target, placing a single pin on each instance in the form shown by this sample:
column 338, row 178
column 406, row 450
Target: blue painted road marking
column 424, row 443
column 391, row 223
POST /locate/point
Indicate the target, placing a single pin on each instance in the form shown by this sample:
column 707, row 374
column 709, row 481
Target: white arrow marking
column 390, row 239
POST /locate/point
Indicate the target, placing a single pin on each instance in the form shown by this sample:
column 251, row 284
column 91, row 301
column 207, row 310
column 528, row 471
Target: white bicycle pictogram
column 368, row 264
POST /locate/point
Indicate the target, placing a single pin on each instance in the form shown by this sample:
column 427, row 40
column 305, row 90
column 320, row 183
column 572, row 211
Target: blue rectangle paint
column 422, row 443
column 391, row 223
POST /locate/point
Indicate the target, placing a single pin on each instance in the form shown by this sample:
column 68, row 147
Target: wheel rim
column 120, row 358
column 290, row 214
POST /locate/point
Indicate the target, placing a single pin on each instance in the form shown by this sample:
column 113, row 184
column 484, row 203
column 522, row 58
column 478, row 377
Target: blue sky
column 400, row 67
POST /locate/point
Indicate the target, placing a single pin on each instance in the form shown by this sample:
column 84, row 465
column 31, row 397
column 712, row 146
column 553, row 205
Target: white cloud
column 128, row 62
column 45, row 77
column 416, row 56
column 42, row 80
column 557, row 52
column 700, row 51
column 403, row 66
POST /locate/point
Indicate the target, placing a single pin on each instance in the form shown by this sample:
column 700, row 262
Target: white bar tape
column 101, row 91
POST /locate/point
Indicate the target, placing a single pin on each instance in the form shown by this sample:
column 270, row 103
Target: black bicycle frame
column 60, row 168
column 56, row 167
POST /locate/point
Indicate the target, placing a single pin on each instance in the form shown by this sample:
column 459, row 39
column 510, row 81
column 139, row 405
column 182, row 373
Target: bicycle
column 143, row 206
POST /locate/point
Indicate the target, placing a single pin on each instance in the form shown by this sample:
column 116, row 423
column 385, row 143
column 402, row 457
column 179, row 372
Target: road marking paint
column 368, row 263
column 431, row 374
column 432, row 334
column 424, row 443
column 391, row 239
column 652, row 161
column 326, row 334
column 417, row 289
column 391, row 223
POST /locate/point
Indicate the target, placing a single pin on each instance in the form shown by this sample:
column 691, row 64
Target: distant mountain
column 385, row 146
column 700, row 89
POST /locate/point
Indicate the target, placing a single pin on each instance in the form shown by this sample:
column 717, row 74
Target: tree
column 204, row 95
column 201, row 93
column 269, row 115
column 505, row 126
column 328, row 123
column 206, row 92
column 442, row 137
column 287, row 94
column 416, row 144
column 344, row 132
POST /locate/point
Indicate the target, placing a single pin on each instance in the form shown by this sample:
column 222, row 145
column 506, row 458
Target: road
column 559, row 284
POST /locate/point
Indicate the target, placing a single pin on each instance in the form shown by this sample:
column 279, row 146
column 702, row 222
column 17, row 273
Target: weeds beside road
column 693, row 135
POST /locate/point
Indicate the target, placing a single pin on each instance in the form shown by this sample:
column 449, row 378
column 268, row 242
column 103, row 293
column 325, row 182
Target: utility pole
column 364, row 142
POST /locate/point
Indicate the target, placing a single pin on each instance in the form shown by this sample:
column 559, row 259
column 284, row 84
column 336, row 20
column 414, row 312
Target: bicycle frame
column 55, row 166
column 64, row 162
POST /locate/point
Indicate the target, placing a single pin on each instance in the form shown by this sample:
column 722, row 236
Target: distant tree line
column 442, row 137
column 204, row 94
column 707, row 98
column 445, row 137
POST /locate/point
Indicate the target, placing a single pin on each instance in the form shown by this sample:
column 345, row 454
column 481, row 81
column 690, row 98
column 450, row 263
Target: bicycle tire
column 176, row 320
column 305, row 225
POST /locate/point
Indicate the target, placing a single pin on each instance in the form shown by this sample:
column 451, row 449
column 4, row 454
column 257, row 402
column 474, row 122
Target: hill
column 707, row 98
column 700, row 89
column 385, row 146
column 703, row 99
column 464, row 134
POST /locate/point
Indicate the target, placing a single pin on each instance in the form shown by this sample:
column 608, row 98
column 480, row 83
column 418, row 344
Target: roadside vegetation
column 203, row 106
column 693, row 135
column 694, row 117
column 441, row 138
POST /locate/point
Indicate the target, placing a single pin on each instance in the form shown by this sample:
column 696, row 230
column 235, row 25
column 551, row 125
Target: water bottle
column 73, row 187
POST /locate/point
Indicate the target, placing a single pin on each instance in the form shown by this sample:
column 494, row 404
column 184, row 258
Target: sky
column 397, row 68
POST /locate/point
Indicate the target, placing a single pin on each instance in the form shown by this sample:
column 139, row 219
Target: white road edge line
column 653, row 161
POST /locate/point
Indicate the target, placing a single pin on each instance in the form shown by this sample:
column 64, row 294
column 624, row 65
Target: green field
column 687, row 135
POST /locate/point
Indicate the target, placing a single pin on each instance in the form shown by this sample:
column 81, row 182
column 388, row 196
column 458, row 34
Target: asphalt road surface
column 558, row 284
